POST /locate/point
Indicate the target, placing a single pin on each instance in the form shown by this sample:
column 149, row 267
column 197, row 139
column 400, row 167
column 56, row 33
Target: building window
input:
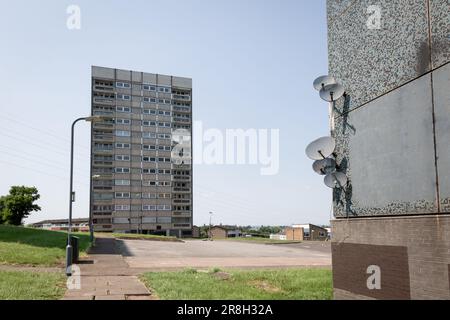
column 163, row 101
column 149, row 135
column 164, row 183
column 122, row 195
column 123, row 85
column 123, row 133
column 148, row 207
column 163, row 171
column 165, row 220
column 148, row 147
column 123, row 121
column 148, row 171
column 121, row 182
column 122, row 207
column 122, row 170
column 148, row 87
column 123, row 109
column 149, row 123
column 123, row 97
column 164, row 89
column 164, row 113
column 149, row 100
column 149, row 196
column 164, row 148
column 122, row 157
column 163, row 136
column 103, row 196
column 122, row 145
column 149, row 111
column 148, row 159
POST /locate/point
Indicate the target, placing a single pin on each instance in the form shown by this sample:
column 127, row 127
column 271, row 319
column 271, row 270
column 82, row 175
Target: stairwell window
column 123, row 133
column 121, row 182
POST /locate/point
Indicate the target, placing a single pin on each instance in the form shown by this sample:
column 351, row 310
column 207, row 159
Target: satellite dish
column 324, row 166
column 332, row 92
column 336, row 180
column 321, row 148
column 323, row 81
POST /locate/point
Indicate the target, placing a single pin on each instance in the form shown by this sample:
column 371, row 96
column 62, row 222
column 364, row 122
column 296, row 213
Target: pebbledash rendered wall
column 392, row 223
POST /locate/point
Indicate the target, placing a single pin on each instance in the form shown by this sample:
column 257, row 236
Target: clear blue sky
column 252, row 64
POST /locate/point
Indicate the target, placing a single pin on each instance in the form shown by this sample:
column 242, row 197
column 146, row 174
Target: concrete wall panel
column 101, row 72
column 371, row 62
column 124, row 75
column 182, row 82
column 440, row 31
column 387, row 150
column 441, row 88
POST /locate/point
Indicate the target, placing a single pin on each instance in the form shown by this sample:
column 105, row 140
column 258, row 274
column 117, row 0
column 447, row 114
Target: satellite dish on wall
column 321, row 148
column 324, row 166
column 332, row 92
column 336, row 180
column 323, row 81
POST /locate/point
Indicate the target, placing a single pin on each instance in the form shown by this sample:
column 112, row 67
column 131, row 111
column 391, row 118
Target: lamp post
column 72, row 194
column 91, row 224
column 210, row 216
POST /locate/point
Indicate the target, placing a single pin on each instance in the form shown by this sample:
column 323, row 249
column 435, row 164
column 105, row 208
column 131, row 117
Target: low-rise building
column 312, row 232
column 78, row 224
column 222, row 232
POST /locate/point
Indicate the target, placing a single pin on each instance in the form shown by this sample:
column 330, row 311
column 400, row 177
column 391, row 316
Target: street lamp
column 72, row 194
column 91, row 224
column 210, row 216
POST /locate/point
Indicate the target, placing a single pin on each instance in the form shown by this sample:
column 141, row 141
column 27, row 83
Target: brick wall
column 413, row 254
column 294, row 234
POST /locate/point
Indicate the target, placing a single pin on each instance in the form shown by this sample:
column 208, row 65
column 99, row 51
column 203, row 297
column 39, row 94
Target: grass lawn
column 27, row 246
column 28, row 285
column 288, row 284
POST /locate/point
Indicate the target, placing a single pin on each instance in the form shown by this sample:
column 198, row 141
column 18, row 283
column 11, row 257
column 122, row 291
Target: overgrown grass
column 28, row 285
column 27, row 246
column 281, row 284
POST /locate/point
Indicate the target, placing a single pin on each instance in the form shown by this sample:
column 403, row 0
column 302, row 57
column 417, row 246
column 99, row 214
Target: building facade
column 312, row 232
column 78, row 225
column 141, row 153
column 391, row 232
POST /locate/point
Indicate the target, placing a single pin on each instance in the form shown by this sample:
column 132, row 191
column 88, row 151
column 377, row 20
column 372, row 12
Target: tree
column 18, row 204
column 2, row 201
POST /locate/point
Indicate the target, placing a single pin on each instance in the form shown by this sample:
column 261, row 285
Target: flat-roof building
column 137, row 184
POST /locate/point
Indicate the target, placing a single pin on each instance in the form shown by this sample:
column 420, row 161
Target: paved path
column 106, row 276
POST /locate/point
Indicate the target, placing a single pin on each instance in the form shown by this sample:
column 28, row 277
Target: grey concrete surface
column 441, row 87
column 150, row 255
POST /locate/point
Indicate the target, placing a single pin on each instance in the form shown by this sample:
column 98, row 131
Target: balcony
column 103, row 137
column 103, row 88
column 182, row 225
column 103, row 100
column 181, row 178
column 182, row 97
column 181, row 201
column 182, row 109
column 181, row 189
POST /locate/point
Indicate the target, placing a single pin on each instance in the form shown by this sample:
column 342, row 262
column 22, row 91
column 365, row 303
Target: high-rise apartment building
column 136, row 185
